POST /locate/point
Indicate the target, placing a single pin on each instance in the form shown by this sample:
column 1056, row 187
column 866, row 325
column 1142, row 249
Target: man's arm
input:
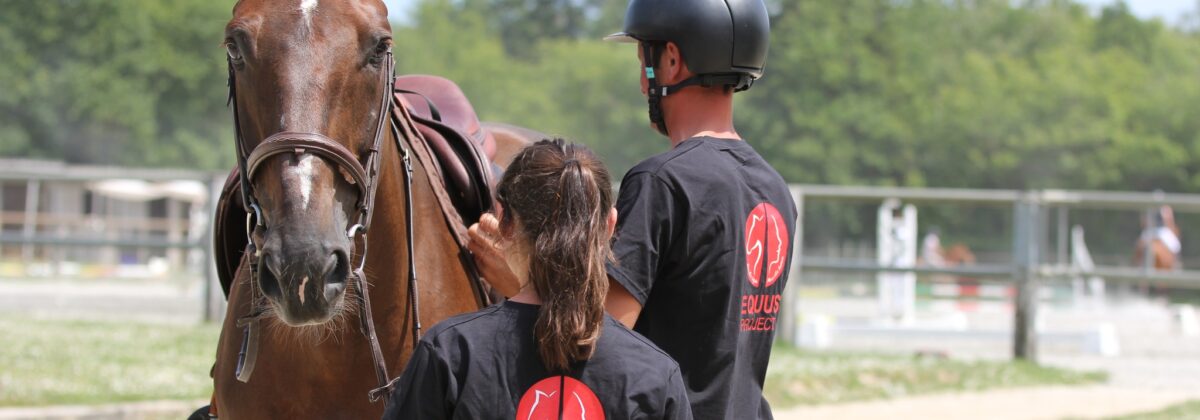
column 621, row 304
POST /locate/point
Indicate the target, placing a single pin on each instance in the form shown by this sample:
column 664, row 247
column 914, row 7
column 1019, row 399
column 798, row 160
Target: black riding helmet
column 724, row 42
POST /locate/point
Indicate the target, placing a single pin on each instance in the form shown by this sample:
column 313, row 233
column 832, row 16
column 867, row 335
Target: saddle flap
column 229, row 231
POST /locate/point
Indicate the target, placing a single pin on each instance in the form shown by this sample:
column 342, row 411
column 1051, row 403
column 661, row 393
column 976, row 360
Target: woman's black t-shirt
column 485, row 365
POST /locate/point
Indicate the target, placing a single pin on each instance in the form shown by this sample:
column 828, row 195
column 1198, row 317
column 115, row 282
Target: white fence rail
column 1029, row 226
column 1026, row 269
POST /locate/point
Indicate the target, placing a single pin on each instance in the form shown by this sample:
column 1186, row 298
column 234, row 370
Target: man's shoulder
column 668, row 161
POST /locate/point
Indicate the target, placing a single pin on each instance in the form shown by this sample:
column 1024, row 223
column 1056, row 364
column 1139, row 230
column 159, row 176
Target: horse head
column 310, row 80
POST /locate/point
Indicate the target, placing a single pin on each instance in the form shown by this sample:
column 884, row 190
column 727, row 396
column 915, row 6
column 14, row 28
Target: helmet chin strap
column 655, row 93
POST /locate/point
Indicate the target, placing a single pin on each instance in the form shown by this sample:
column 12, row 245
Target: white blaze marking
column 304, row 175
column 306, row 8
column 300, row 292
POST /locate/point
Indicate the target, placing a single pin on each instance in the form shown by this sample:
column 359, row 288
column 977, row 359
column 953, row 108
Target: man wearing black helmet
column 703, row 238
column 704, row 231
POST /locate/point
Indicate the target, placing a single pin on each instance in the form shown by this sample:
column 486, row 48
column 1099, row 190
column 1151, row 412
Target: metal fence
column 1026, row 269
column 1030, row 227
column 40, row 222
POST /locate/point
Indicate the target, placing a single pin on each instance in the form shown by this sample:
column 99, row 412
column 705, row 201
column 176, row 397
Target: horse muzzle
column 307, row 287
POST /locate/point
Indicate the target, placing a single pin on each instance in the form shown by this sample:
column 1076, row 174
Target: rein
column 365, row 178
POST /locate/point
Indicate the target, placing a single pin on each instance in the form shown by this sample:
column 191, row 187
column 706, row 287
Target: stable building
column 63, row 220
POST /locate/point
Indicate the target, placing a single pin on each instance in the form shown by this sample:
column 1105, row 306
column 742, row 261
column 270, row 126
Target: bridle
column 364, row 176
column 298, row 143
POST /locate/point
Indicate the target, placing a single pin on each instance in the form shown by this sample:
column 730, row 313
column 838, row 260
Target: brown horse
column 320, row 68
column 510, row 139
column 1162, row 234
column 1164, row 259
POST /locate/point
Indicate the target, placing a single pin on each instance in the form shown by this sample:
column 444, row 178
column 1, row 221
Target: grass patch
column 798, row 377
column 46, row 362
column 1185, row 411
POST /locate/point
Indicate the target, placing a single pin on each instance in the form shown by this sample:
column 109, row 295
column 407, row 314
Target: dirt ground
column 1010, row 404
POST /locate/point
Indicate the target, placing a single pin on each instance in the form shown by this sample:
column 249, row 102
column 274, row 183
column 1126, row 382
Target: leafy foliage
column 964, row 93
column 122, row 82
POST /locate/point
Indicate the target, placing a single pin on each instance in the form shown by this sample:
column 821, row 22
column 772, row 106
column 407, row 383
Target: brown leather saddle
column 462, row 148
column 462, row 151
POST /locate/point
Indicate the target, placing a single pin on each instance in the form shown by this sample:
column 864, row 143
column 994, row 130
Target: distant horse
column 1164, row 259
column 959, row 255
column 956, row 255
column 1162, row 235
column 324, row 152
column 932, row 253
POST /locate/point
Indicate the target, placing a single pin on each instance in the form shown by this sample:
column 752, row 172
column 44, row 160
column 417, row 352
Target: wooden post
column 32, row 190
column 1063, row 256
column 2, row 217
column 1148, row 250
column 1025, row 256
column 214, row 299
column 174, row 234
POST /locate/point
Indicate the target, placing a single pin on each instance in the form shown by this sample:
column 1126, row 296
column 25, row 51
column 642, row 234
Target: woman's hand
column 486, row 243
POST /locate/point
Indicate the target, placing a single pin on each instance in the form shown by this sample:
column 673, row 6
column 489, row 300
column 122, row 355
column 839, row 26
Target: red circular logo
column 766, row 244
column 544, row 399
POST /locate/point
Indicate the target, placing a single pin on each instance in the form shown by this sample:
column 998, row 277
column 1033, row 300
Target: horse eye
column 381, row 50
column 231, row 48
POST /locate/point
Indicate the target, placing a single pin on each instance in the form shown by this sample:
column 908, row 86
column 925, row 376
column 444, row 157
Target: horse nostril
column 335, row 277
column 338, row 267
column 268, row 275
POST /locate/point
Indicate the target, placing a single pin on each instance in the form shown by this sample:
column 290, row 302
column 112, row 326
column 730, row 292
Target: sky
column 1169, row 11
column 398, row 9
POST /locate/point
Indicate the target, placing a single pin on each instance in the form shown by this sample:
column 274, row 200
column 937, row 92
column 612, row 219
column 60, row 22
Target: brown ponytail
column 560, row 195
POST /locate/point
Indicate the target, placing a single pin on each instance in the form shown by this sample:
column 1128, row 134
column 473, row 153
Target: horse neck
column 443, row 285
column 387, row 256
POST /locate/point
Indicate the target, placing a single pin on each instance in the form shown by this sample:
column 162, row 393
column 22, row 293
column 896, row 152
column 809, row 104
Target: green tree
column 584, row 90
column 125, row 82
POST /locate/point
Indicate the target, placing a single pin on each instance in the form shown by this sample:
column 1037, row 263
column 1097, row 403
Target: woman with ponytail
column 551, row 351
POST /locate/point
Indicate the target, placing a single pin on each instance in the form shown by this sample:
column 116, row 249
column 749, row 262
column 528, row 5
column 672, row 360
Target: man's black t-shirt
column 703, row 242
column 485, row 365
